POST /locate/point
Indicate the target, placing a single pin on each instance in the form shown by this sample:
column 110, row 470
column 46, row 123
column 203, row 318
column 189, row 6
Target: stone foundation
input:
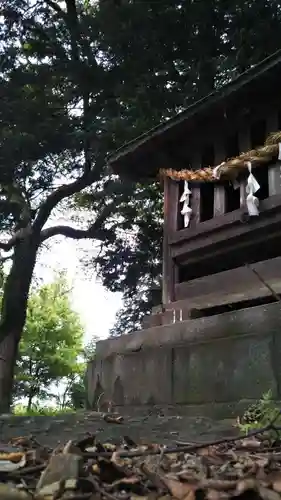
column 210, row 366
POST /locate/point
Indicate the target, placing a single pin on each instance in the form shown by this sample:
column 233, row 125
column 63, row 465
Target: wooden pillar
column 274, row 171
column 170, row 269
column 219, row 191
column 196, row 193
column 244, row 143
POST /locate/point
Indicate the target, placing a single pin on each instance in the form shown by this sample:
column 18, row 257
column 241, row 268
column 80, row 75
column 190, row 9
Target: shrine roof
column 142, row 157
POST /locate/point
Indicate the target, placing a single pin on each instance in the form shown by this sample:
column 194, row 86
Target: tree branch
column 20, row 234
column 56, row 7
column 95, row 231
column 57, row 196
column 8, row 245
column 70, row 16
column 69, row 232
column 5, row 258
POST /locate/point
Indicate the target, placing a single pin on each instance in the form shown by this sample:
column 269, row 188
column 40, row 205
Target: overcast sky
column 97, row 307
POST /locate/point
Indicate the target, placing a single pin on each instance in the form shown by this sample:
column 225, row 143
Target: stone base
column 210, row 366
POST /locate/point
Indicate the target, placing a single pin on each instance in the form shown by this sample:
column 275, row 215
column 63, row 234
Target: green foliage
column 78, row 394
column 78, row 385
column 260, row 414
column 74, row 394
column 51, row 343
column 89, row 350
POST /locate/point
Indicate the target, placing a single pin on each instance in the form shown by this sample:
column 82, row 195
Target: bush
column 260, row 414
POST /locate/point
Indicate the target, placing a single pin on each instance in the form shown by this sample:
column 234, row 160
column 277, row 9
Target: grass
column 21, row 411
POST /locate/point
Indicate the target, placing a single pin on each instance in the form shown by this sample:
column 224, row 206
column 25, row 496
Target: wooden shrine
column 219, row 161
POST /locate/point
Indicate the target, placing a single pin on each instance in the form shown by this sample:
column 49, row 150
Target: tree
column 48, row 151
column 51, row 342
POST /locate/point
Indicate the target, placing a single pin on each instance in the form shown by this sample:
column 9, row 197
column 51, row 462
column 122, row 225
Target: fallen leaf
column 95, row 469
column 153, row 476
column 117, row 460
column 218, row 484
column 125, row 481
column 9, row 466
column 62, row 468
column 275, row 479
column 250, row 443
column 12, row 457
column 112, row 419
column 129, row 442
column 109, row 447
column 180, row 490
column 8, row 492
column 268, row 494
column 246, row 484
column 86, row 443
column 216, row 495
column 137, row 497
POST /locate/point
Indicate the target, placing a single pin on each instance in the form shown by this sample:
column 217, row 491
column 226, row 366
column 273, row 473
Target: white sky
column 96, row 306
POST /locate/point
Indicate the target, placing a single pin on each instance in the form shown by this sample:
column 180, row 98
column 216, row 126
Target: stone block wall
column 209, row 366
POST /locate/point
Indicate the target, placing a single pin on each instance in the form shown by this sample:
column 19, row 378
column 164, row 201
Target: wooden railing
column 209, row 201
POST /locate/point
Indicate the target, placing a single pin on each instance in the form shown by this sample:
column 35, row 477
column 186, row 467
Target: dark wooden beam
column 235, row 283
column 274, row 171
column 196, row 192
column 170, row 269
column 219, row 190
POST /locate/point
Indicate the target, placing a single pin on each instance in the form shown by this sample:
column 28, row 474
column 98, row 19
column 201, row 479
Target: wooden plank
column 219, row 191
column 274, row 171
column 235, row 283
column 263, row 229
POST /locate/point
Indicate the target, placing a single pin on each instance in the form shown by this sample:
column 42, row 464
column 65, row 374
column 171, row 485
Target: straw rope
column 230, row 169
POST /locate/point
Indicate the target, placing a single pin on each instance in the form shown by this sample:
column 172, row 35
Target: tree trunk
column 13, row 314
column 30, row 398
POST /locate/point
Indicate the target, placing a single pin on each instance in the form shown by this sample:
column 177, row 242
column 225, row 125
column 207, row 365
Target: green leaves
column 27, row 47
column 51, row 343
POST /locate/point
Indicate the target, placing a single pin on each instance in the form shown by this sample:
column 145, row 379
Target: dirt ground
column 50, row 431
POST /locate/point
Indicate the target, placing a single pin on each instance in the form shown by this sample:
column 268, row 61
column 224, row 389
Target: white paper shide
column 186, row 211
column 252, row 187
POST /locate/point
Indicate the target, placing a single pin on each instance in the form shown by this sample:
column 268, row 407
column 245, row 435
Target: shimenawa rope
column 230, row 169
